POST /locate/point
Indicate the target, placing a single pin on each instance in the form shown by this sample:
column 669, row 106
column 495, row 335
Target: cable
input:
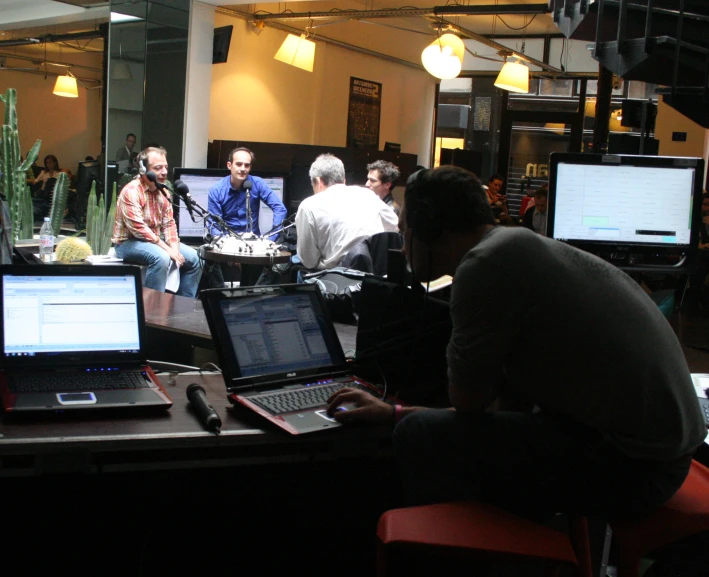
column 512, row 27
column 167, row 366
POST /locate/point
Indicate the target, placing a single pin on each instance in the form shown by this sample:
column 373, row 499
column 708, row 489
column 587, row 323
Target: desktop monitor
column 392, row 146
column 199, row 181
column 630, row 210
column 220, row 48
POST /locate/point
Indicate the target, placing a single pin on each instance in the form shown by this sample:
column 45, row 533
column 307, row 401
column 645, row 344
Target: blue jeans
column 157, row 261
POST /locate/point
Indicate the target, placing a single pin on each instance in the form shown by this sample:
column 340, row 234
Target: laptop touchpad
column 76, row 398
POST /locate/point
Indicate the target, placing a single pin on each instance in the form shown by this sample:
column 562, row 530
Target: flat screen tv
column 631, row 210
column 200, row 180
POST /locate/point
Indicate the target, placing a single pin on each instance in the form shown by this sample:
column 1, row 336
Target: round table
column 251, row 264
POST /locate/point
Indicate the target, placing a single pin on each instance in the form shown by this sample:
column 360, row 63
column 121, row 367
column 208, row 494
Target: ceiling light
column 514, row 77
column 117, row 18
column 66, row 86
column 297, row 51
column 443, row 58
column 120, row 71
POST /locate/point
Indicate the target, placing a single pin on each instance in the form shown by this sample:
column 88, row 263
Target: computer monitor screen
column 89, row 170
column 631, row 204
column 199, row 181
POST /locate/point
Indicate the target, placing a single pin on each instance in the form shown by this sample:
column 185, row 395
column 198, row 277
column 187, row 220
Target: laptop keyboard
column 93, row 381
column 305, row 398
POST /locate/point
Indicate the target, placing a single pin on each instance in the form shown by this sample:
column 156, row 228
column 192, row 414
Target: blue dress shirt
column 230, row 204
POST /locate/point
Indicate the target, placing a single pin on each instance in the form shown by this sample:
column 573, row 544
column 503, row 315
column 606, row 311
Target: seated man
column 227, row 198
column 536, row 217
column 145, row 232
column 380, row 179
column 337, row 216
column 618, row 417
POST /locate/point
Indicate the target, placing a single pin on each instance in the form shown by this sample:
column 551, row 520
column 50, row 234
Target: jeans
column 157, row 260
column 532, row 464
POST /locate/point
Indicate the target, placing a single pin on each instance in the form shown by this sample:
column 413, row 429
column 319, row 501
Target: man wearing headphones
column 337, row 216
column 616, row 417
column 145, row 232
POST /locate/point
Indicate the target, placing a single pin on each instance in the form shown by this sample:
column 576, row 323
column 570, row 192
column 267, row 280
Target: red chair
column 473, row 529
column 684, row 515
column 523, row 205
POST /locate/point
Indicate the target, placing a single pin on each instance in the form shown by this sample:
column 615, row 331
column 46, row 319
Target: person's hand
column 175, row 255
column 705, row 219
column 369, row 409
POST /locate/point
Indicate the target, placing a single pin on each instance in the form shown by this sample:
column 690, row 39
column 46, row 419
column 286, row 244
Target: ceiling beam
column 51, row 38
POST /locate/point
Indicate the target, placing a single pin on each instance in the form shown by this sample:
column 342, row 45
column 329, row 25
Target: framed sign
column 364, row 113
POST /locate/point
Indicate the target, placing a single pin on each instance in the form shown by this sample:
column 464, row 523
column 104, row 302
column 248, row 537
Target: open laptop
column 280, row 354
column 72, row 339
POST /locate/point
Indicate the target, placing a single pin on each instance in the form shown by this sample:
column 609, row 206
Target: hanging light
column 297, row 51
column 514, row 77
column 66, row 86
column 120, row 69
column 443, row 58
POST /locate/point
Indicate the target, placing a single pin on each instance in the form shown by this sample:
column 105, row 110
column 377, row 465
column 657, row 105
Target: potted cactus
column 99, row 225
column 13, row 183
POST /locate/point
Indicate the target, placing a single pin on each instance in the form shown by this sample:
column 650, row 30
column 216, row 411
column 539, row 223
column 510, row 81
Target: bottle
column 46, row 240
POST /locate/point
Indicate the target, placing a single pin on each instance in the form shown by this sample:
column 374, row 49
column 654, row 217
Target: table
column 251, row 264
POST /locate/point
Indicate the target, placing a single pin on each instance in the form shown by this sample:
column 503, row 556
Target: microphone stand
column 249, row 223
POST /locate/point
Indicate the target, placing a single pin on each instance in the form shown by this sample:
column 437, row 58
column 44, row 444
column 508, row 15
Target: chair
column 684, row 515
column 472, row 529
column 523, row 205
column 371, row 254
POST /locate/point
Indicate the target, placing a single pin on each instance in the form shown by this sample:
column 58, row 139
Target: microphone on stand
column 183, row 191
column 152, row 177
column 248, row 185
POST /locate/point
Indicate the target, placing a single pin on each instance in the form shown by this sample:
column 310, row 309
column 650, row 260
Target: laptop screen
column 276, row 334
column 56, row 315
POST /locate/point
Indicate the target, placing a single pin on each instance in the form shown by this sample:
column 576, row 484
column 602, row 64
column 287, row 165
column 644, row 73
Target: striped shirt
column 144, row 215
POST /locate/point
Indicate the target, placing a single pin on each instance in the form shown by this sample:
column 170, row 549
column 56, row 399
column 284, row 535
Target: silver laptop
column 72, row 339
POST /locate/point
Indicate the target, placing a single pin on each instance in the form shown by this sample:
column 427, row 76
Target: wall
column 69, row 128
column 669, row 121
column 255, row 97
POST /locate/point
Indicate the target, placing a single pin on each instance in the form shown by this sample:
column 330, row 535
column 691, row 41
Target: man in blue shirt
column 227, row 198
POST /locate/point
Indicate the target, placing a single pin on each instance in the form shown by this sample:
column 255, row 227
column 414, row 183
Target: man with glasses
column 227, row 198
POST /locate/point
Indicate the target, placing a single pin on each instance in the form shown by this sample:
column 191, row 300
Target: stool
column 473, row 529
column 684, row 515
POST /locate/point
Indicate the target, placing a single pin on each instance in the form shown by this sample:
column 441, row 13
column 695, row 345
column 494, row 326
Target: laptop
column 280, row 354
column 72, row 339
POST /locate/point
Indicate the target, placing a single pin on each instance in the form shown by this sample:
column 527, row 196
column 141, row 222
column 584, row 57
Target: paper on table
column 103, row 259
column 173, row 277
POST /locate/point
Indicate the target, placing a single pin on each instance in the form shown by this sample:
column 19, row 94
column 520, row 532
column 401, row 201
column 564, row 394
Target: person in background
column 145, row 232
column 124, row 152
column 536, row 217
column 337, row 216
column 608, row 436
column 380, row 179
column 43, row 186
column 497, row 200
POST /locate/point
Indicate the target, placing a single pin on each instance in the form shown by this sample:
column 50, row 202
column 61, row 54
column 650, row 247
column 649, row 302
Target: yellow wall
column 255, row 97
column 69, row 128
column 669, row 121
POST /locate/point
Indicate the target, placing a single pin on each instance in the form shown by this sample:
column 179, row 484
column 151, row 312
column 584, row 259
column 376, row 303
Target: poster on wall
column 363, row 113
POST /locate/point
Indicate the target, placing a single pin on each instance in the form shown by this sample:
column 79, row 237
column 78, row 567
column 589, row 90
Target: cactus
column 73, row 249
column 99, row 225
column 59, row 196
column 14, row 172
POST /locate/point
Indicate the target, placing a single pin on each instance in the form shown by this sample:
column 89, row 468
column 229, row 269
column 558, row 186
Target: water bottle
column 46, row 240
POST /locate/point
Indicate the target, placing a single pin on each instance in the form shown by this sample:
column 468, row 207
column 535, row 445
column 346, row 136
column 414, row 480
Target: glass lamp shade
column 441, row 61
column 297, row 51
column 66, row 86
column 120, row 71
column 513, row 77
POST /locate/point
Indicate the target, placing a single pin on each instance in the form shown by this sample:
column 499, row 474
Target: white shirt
column 331, row 222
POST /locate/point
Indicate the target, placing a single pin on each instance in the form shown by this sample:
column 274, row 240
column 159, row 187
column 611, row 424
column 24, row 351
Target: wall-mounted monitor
column 222, row 40
column 631, row 210
column 200, row 180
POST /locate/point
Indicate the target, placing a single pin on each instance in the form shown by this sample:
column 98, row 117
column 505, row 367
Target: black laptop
column 72, row 339
column 280, row 354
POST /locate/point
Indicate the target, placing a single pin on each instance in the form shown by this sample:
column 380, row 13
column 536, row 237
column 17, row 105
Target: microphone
column 205, row 411
column 152, row 177
column 183, row 191
column 248, row 185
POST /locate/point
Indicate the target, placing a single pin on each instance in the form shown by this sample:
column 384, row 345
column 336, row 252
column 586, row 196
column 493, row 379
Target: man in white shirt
column 337, row 216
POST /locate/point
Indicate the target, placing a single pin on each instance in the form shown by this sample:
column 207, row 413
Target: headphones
column 141, row 165
column 425, row 221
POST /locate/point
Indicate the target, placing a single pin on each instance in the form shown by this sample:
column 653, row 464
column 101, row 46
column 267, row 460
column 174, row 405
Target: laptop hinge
column 281, row 382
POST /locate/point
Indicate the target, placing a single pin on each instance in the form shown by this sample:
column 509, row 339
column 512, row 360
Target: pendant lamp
column 443, row 58
column 66, row 86
column 297, row 51
column 514, row 77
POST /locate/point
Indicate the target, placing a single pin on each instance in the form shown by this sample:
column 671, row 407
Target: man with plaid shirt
column 145, row 232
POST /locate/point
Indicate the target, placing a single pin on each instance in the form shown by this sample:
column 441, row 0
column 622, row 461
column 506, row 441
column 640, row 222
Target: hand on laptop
column 369, row 409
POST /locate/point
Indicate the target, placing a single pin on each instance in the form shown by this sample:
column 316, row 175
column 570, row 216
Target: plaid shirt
column 144, row 215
